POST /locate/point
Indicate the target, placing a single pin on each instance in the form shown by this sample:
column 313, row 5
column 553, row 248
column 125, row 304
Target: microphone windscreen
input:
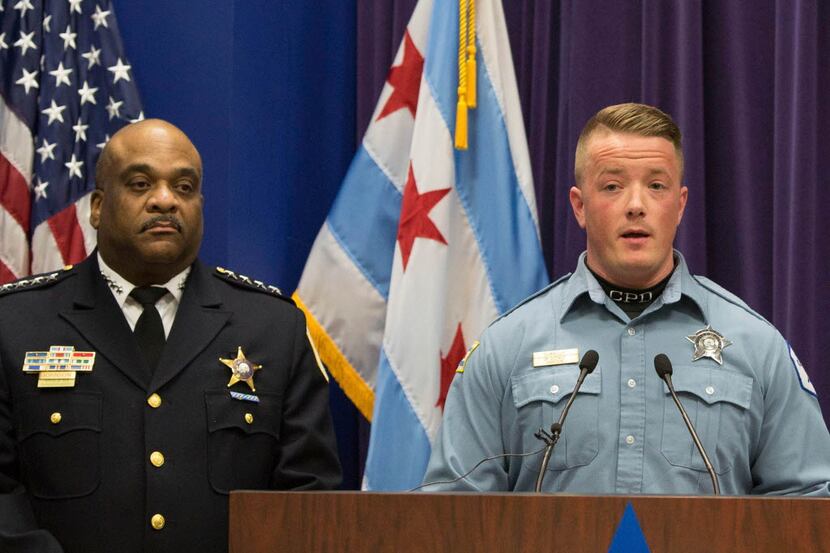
column 662, row 365
column 589, row 361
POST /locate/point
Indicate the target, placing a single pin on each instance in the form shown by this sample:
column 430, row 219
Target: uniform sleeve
column 793, row 456
column 308, row 452
column 471, row 429
column 19, row 532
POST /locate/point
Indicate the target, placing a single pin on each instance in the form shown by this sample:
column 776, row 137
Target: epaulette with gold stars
column 249, row 283
column 34, row 282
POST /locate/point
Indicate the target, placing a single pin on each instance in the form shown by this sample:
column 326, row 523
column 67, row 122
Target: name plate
column 555, row 357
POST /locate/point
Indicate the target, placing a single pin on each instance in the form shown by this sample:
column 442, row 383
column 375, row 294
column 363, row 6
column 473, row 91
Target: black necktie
column 149, row 331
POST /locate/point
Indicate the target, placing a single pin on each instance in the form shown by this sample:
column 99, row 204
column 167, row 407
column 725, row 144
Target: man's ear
column 95, row 207
column 684, row 197
column 577, row 205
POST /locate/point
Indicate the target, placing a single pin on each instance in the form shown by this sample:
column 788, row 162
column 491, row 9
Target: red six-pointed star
column 405, row 80
column 415, row 221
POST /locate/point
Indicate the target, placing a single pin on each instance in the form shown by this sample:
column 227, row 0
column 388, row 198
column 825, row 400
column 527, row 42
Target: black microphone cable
column 466, row 474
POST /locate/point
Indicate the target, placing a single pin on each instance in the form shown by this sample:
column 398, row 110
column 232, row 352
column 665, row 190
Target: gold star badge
column 242, row 369
column 708, row 343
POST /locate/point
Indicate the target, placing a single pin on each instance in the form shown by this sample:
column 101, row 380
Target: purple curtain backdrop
column 744, row 81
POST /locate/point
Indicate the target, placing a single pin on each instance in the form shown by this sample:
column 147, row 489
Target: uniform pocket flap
column 58, row 413
column 713, row 385
column 551, row 384
column 225, row 412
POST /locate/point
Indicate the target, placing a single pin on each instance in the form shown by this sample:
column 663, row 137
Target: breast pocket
column 243, row 440
column 717, row 402
column 59, row 435
column 541, row 394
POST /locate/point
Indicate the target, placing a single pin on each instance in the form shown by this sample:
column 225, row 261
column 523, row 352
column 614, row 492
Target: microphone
column 586, row 366
column 664, row 370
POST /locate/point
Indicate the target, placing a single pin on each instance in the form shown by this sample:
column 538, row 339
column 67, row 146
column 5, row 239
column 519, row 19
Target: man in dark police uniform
column 139, row 387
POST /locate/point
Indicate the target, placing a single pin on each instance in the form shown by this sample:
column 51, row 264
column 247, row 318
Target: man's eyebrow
column 620, row 171
column 146, row 168
column 188, row 172
column 136, row 168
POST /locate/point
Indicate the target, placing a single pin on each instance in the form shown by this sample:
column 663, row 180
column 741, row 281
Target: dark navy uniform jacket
column 75, row 463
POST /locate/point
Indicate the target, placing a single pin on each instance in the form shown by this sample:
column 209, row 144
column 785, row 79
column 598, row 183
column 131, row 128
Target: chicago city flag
column 432, row 236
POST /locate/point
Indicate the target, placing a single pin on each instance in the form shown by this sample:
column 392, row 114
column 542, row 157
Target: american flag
column 66, row 88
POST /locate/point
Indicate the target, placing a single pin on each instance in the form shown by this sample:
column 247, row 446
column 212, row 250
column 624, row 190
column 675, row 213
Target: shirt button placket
column 632, row 410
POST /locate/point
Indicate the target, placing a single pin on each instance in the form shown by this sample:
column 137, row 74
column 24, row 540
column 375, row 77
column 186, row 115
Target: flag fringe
column 355, row 388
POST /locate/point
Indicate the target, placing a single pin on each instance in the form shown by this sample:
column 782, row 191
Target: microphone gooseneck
column 662, row 365
column 586, row 366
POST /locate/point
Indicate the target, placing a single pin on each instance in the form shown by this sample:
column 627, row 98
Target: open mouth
column 635, row 237
column 635, row 234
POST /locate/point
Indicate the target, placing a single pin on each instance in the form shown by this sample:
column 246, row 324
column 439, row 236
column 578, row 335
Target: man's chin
column 641, row 271
column 161, row 253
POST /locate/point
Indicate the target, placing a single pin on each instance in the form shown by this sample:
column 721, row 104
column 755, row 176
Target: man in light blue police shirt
column 630, row 298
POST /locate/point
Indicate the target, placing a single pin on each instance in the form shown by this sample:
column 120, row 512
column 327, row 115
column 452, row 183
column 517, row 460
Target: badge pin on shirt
column 242, row 369
column 709, row 343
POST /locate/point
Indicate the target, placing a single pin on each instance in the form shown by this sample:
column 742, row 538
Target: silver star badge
column 709, row 343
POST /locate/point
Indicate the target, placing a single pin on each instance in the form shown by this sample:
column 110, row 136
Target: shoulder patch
column 243, row 281
column 803, row 378
column 463, row 363
column 33, row 282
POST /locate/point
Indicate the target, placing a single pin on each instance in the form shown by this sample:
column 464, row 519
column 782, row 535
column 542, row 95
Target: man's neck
column 148, row 275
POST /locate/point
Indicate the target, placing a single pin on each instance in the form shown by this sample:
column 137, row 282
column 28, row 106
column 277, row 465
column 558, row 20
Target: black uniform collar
column 631, row 300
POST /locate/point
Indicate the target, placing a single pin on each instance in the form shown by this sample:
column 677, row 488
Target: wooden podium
column 358, row 522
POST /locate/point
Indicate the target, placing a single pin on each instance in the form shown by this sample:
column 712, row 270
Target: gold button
column 157, row 522
column 154, row 401
column 249, row 418
column 55, row 418
column 157, row 458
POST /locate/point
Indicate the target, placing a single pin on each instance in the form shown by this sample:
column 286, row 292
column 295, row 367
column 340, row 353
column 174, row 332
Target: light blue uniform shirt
column 756, row 415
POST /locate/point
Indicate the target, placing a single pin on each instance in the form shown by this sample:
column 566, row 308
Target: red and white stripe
column 65, row 238
column 16, row 155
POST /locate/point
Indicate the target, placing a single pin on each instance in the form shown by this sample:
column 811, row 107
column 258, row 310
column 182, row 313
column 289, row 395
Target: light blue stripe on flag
column 364, row 220
column 403, row 458
column 486, row 180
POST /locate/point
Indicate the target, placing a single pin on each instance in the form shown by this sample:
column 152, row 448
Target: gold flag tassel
column 461, row 107
column 471, row 56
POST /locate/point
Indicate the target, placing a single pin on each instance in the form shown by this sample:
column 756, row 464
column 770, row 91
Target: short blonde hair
column 639, row 119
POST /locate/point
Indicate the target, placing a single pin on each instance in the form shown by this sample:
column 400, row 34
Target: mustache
column 153, row 221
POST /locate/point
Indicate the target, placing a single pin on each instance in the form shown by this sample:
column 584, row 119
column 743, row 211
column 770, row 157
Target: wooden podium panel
column 358, row 522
